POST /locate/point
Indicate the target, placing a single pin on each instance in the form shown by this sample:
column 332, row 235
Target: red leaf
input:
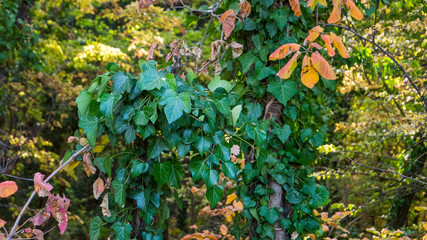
column 228, row 21
column 98, row 188
column 295, row 7
column 245, row 9
column 284, row 51
column 287, row 70
column 2, row 223
column 7, row 188
column 336, row 12
column 354, row 11
column 322, row 66
column 42, row 189
column 342, row 50
column 328, row 45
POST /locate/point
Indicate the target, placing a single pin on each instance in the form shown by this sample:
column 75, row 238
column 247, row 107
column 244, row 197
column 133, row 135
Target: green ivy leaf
column 317, row 140
column 247, row 61
column 216, row 82
column 176, row 105
column 119, row 192
column 319, row 195
column 122, row 231
column 141, row 118
column 214, row 194
column 211, row 177
column 229, row 169
column 121, row 83
column 176, row 174
column 282, row 90
column 95, row 228
column 138, row 168
column 113, row 67
column 141, row 200
column 197, row 168
column 156, row 148
column 271, row 215
column 162, row 172
column 90, row 124
column 256, row 133
column 223, row 105
column 150, row 78
column 283, row 133
column 83, row 101
column 108, row 101
column 203, row 144
column 235, row 113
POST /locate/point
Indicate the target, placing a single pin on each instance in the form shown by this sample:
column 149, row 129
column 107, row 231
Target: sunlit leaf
column 284, row 51
column 7, row 188
column 354, row 11
column 322, row 66
column 295, row 7
column 314, row 33
column 42, row 189
column 336, row 12
column 342, row 50
column 287, row 70
column 309, row 76
column 313, row 3
column 327, row 40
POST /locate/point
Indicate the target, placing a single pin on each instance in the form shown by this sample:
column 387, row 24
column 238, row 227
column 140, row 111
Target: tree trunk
column 277, row 200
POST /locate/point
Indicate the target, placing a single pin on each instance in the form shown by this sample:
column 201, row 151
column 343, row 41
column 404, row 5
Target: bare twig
column 12, row 232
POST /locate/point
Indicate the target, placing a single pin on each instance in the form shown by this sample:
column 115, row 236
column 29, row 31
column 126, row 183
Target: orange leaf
column 305, row 61
column 328, row 45
column 336, row 12
column 98, row 188
column 7, row 188
column 354, row 11
column 223, row 230
column 2, row 223
column 295, row 7
column 284, row 51
column 314, row 33
column 315, row 45
column 342, row 50
column 309, row 76
column 245, row 9
column 322, row 66
column 231, row 198
column 287, row 70
column 228, row 21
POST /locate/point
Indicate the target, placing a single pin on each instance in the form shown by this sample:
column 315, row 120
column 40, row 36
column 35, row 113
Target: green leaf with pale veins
column 203, row 144
column 271, row 215
column 176, row 174
column 319, row 195
column 197, row 168
column 95, row 228
column 229, row 169
column 162, row 172
column 282, row 90
column 90, row 124
column 214, row 194
column 247, row 61
column 211, row 177
column 83, row 101
column 119, row 192
column 108, row 101
column 216, row 82
column 150, row 78
column 122, row 231
column 223, row 105
column 121, row 83
column 156, row 148
column 283, row 133
column 256, row 133
column 176, row 104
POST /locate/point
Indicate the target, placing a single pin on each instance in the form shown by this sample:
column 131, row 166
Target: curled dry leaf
column 216, row 48
column 295, row 7
column 322, row 66
column 354, row 11
column 284, row 51
column 83, row 141
column 150, row 55
column 228, row 20
column 58, row 207
column 313, row 3
column 309, row 76
column 104, row 206
column 88, row 165
column 336, row 12
column 98, row 188
column 197, row 52
column 145, row 4
column 327, row 40
column 218, row 69
column 313, row 34
column 39, row 219
column 287, row 70
column 245, row 9
column 7, row 188
column 223, row 229
column 342, row 50
column 42, row 189
column 236, row 49
column 72, row 139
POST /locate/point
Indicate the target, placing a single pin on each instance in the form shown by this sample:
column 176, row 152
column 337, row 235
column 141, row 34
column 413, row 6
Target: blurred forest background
column 373, row 161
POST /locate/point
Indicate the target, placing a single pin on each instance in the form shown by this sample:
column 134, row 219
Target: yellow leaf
column 71, row 165
column 295, row 7
column 287, row 70
column 309, row 76
column 102, row 142
column 425, row 226
column 231, row 198
column 354, row 11
column 342, row 50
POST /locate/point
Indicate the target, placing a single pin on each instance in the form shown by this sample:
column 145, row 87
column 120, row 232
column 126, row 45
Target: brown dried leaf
column 72, row 139
column 150, row 55
column 218, row 69
column 98, row 188
column 228, row 20
column 145, row 4
column 88, row 165
column 216, row 48
column 104, row 205
column 236, row 49
column 245, row 9
column 295, row 7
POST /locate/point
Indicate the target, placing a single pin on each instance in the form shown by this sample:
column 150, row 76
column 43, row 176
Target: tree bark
column 277, row 200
